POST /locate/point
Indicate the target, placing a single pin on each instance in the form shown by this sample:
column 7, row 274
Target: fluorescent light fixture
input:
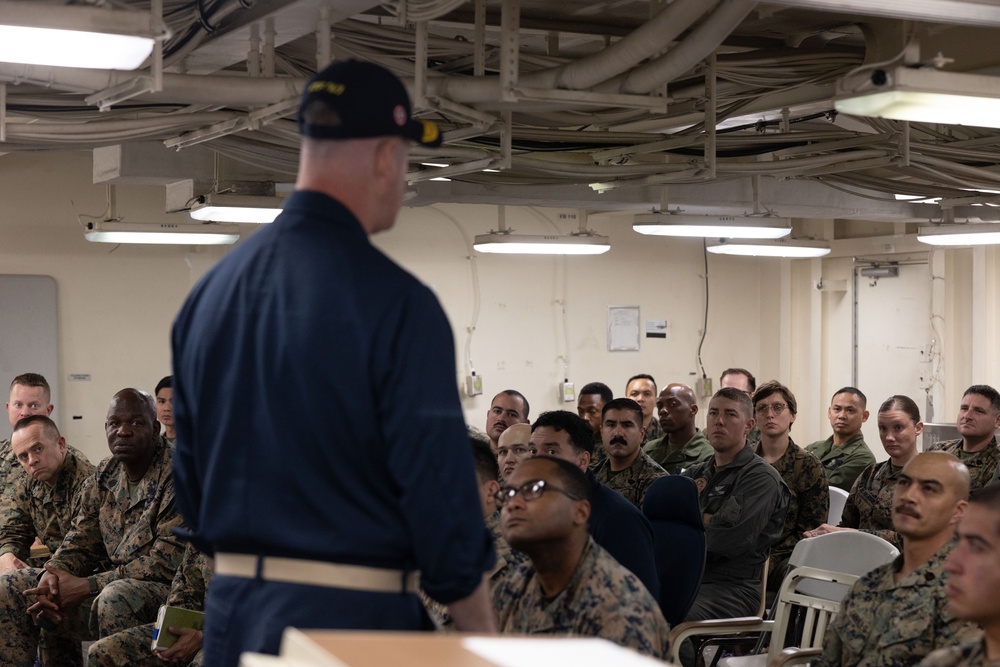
column 793, row 248
column 527, row 244
column 164, row 233
column 712, row 226
column 236, row 208
column 36, row 33
column 922, row 95
column 960, row 235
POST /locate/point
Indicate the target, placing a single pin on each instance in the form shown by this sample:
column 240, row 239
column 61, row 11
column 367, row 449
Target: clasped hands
column 57, row 593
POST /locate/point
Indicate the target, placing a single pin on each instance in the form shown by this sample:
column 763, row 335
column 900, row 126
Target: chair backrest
column 847, row 551
column 838, row 498
column 810, row 614
column 671, row 505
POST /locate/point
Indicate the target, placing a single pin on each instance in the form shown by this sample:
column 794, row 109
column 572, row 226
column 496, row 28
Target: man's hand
column 823, row 530
column 184, row 649
column 45, row 606
column 9, row 561
column 66, row 590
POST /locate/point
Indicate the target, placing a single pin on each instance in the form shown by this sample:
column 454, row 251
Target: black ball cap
column 369, row 101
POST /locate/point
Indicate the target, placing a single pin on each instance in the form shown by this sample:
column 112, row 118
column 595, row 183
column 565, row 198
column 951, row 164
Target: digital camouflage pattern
column 869, row 504
column 120, row 539
column 128, row 547
column 31, row 508
column 602, row 599
column 598, row 455
column 883, row 623
column 132, row 646
column 654, row 431
column 677, row 459
column 843, row 463
column 982, row 465
column 632, row 482
column 8, row 462
column 969, row 654
column 507, row 557
column 808, row 505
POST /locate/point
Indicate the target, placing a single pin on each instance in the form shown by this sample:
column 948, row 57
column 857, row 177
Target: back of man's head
column 484, row 459
column 581, row 435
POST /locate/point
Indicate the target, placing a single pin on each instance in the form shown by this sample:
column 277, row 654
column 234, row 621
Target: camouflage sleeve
column 814, row 499
column 191, row 581
column 17, row 531
column 83, row 547
column 159, row 561
column 851, row 517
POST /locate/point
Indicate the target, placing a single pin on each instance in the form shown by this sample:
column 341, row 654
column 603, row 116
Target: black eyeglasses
column 532, row 490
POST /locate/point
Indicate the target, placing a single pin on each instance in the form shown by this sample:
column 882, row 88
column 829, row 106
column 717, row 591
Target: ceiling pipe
column 218, row 90
column 642, row 43
column 702, row 41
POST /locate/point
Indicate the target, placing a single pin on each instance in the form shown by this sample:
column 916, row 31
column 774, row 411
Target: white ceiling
column 604, row 103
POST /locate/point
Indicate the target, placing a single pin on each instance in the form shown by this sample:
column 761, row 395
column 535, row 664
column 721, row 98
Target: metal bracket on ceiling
column 152, row 82
column 3, row 112
column 510, row 23
column 249, row 121
column 479, row 40
column 711, row 117
column 420, row 66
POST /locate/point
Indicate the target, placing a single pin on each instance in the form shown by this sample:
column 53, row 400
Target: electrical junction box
column 473, row 385
column 703, row 387
column 567, row 391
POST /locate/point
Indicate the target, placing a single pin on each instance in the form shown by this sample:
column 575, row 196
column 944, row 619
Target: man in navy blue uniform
column 322, row 457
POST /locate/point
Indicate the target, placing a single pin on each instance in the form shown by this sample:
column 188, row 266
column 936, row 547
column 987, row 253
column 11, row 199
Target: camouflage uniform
column 654, row 431
column 8, row 462
column 883, row 623
column 598, row 455
column 602, row 599
column 869, row 505
column 634, row 480
column 507, row 558
column 969, row 654
column 132, row 646
column 677, row 459
column 130, row 546
column 808, row 505
column 30, row 508
column 982, row 465
column 843, row 463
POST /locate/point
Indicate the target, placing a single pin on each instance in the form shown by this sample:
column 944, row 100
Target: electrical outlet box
column 703, row 387
column 567, row 391
column 473, row 385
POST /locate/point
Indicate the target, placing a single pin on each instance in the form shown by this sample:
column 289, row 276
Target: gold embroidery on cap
column 327, row 87
column 430, row 131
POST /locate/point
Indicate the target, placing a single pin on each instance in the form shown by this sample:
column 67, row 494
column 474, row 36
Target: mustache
column 618, row 441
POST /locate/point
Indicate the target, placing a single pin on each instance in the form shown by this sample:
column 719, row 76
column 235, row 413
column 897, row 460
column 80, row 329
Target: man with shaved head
column 114, row 567
column 897, row 613
column 683, row 445
column 513, row 446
